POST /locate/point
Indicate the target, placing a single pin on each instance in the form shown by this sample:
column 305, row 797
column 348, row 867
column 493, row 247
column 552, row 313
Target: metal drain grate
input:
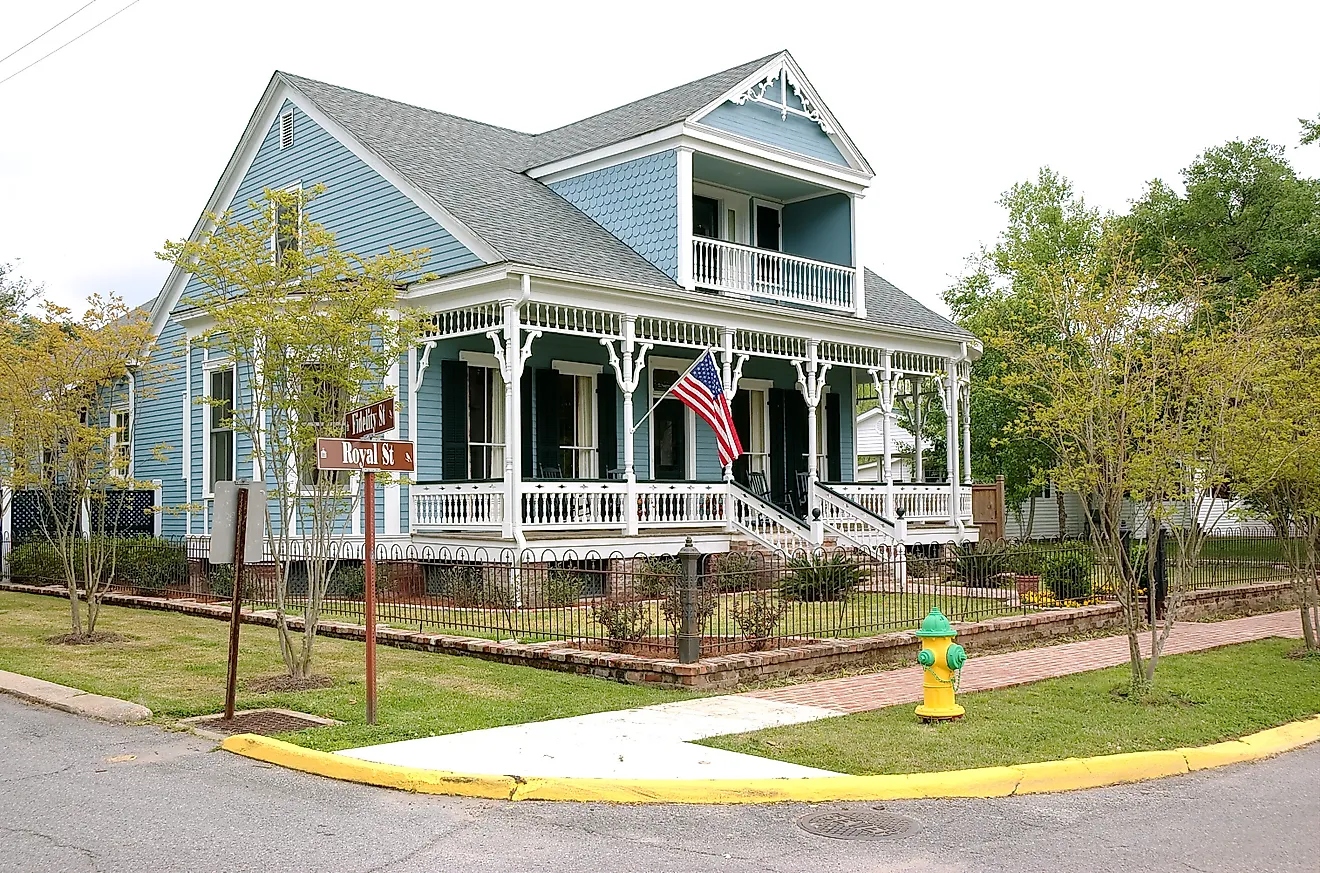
column 849, row 825
column 259, row 721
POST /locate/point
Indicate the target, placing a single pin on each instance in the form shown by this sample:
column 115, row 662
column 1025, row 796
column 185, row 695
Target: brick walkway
column 876, row 690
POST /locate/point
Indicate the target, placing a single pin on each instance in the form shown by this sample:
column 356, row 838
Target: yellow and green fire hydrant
column 941, row 660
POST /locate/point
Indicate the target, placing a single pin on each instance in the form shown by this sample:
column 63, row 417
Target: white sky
column 114, row 144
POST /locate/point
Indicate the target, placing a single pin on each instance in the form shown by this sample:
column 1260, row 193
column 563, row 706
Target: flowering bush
column 1045, row 600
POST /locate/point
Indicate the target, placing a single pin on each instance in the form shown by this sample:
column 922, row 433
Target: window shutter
column 607, row 428
column 742, row 422
column 453, row 420
column 777, row 448
column 795, row 442
column 547, row 420
column 526, row 433
column 833, row 438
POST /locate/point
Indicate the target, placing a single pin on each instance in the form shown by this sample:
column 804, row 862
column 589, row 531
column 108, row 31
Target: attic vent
column 286, row 130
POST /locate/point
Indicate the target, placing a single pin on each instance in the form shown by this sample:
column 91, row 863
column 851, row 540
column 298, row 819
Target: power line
column 70, row 42
column 47, row 30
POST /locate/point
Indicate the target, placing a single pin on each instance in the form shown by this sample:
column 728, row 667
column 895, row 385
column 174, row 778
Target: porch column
column 885, row 388
column 965, row 391
column 918, row 425
column 628, row 375
column 729, row 376
column 951, row 442
column 512, row 355
column 811, row 383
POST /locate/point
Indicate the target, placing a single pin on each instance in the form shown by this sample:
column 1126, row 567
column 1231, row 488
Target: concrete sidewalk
column 655, row 742
column 71, row 699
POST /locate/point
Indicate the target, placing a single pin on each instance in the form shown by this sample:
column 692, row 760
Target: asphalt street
column 79, row 795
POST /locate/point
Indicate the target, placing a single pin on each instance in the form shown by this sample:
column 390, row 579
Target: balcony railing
column 724, row 266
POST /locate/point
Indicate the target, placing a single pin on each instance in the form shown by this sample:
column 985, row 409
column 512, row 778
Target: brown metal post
column 240, row 544
column 369, row 577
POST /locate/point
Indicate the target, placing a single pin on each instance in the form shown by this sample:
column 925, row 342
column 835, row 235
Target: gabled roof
column 887, row 304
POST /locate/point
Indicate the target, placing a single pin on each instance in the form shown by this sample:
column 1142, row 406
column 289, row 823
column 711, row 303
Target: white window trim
column 486, row 361
column 479, row 359
column 592, row 373
column 577, row 368
column 764, row 386
column 115, row 443
column 680, row 366
column 209, row 367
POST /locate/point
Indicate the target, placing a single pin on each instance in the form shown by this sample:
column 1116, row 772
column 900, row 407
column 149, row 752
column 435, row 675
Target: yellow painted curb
column 1046, row 776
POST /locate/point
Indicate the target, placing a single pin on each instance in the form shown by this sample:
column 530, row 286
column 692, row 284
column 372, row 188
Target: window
column 287, row 233
column 577, row 425
column 286, row 130
column 768, row 234
column 705, row 217
column 221, row 426
column 324, row 403
column 120, row 446
column 757, row 448
column 485, row 423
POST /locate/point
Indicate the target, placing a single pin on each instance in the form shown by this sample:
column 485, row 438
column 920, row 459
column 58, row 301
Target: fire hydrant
column 941, row 660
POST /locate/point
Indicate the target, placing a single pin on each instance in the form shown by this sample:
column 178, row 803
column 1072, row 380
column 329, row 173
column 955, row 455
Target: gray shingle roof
column 475, row 171
column 887, row 304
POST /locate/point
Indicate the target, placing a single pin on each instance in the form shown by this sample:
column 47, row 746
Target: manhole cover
column 858, row 825
column 259, row 721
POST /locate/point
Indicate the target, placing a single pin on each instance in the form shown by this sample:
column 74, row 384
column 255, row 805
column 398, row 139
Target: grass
column 175, row 665
column 1203, row 698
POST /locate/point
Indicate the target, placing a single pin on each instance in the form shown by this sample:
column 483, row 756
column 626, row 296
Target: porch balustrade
column 920, row 503
column 739, row 269
column 458, row 505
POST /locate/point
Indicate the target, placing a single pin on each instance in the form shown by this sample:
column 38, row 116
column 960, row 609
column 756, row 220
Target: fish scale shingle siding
column 636, row 201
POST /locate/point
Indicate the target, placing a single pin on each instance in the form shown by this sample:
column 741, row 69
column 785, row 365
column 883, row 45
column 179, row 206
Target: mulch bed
column 265, row 722
column 287, row 683
column 86, row 639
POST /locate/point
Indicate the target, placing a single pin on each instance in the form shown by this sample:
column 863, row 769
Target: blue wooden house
column 573, row 276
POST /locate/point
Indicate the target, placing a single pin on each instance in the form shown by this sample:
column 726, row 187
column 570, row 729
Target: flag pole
column 633, row 429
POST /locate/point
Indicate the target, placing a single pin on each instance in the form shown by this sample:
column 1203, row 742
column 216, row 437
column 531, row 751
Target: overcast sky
column 114, row 143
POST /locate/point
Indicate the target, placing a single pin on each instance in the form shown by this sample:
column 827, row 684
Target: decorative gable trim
column 752, row 89
column 267, row 113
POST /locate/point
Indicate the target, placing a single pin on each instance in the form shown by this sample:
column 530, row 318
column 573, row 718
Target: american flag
column 702, row 392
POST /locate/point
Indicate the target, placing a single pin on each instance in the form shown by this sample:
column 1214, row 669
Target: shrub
column 918, row 565
column 817, row 577
column 150, row 564
column 672, row 608
column 348, row 581
column 983, row 564
column 733, row 571
column 623, row 622
column 563, row 587
column 35, row 562
column 657, row 575
column 756, row 619
column 466, row 585
column 221, row 580
column 1067, row 574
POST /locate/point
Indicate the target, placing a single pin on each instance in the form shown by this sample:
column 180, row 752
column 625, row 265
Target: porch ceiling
column 740, row 177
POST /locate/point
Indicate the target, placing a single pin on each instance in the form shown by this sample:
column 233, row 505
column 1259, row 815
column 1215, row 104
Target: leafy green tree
column 1051, row 231
column 1310, row 130
column 313, row 331
column 1246, row 218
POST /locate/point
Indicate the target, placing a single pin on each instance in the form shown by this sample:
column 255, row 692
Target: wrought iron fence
column 720, row 603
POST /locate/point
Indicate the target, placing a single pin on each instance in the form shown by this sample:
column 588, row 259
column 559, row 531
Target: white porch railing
column 920, row 503
column 726, row 266
column 574, row 504
column 680, row 504
column 767, row 524
column 853, row 524
column 458, row 505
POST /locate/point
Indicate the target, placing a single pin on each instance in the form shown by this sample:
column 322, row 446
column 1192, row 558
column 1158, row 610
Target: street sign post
column 371, row 457
column 237, row 537
column 370, row 420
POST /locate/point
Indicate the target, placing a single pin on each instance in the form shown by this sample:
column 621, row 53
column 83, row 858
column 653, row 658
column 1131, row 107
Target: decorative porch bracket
column 628, row 374
column 886, row 379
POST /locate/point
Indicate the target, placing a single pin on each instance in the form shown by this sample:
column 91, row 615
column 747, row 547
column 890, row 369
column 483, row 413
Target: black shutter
column 778, row 468
column 833, row 438
column 742, row 422
column 547, row 421
column 607, row 429
column 527, row 435
column 795, row 445
column 453, row 420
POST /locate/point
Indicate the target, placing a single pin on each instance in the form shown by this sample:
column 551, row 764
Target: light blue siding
column 840, row 381
column 819, row 228
column 762, row 123
column 196, row 421
column 158, row 431
column 367, row 214
column 637, row 201
column 430, row 467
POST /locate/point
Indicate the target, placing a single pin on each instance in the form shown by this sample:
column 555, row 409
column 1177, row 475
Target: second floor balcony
column 770, row 236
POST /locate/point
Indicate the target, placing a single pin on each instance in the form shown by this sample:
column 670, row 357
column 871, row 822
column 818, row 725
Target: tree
column 1282, row 414
column 312, row 331
column 1310, row 130
column 1135, row 393
column 1050, row 231
column 1246, row 219
column 63, row 382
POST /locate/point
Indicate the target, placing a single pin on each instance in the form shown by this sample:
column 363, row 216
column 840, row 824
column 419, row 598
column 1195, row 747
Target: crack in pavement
column 91, row 856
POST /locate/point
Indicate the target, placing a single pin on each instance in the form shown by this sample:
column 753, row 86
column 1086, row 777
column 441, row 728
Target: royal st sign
column 394, row 456
column 369, row 420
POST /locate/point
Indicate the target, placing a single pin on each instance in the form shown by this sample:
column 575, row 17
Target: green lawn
column 175, row 665
column 863, row 614
column 1208, row 697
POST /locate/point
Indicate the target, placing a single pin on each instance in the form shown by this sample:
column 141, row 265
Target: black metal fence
column 717, row 603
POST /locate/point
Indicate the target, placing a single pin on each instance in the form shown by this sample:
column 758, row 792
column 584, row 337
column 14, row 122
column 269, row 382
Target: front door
column 670, row 436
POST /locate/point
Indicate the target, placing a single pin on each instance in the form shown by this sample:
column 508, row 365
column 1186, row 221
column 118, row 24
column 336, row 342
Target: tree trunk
column 1031, row 519
column 1063, row 512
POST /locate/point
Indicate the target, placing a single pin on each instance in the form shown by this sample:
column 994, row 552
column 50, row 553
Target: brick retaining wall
column 729, row 671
